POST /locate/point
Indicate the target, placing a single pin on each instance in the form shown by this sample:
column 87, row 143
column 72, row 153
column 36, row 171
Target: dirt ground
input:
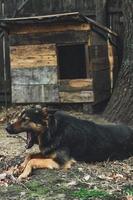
column 108, row 180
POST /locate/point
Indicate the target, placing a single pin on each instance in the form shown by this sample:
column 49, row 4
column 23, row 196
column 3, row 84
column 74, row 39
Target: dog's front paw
column 22, row 177
column 68, row 164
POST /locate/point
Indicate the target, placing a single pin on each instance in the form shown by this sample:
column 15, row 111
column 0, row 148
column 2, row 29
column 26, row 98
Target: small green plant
column 84, row 194
column 14, row 188
column 128, row 190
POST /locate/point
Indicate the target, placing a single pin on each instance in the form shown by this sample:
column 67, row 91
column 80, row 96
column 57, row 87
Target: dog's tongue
column 29, row 142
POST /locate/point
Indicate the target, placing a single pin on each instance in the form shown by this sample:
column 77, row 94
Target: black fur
column 85, row 140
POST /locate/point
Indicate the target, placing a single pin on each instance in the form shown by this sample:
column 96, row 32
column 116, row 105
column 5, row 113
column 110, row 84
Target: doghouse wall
column 101, row 70
column 34, row 64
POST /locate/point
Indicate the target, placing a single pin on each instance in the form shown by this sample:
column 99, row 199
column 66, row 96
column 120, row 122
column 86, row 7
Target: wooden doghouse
column 61, row 58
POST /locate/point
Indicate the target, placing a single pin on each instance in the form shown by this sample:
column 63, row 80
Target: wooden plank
column 35, row 94
column 102, row 96
column 24, row 29
column 1, row 59
column 101, row 85
column 43, row 17
column 76, row 97
column 3, row 98
column 39, row 75
column 100, row 60
column 5, row 85
column 48, row 49
column 75, row 85
column 100, row 67
column 101, row 80
column 99, row 51
column 56, row 37
column 33, row 56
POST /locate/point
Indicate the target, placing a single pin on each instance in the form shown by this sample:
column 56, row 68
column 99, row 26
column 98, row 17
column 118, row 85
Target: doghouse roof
column 74, row 17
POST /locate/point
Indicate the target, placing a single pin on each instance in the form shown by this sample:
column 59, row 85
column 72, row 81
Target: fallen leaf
column 71, row 183
column 87, row 177
column 3, row 176
column 80, row 169
column 103, row 177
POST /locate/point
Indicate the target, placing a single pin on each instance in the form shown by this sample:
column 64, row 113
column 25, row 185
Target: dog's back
column 89, row 141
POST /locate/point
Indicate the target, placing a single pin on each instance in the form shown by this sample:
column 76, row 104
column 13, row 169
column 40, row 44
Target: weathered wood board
column 34, row 73
column 38, row 75
column 25, row 29
column 5, row 84
column 35, row 93
column 101, row 85
column 76, row 97
column 56, row 37
column 75, row 85
column 33, row 56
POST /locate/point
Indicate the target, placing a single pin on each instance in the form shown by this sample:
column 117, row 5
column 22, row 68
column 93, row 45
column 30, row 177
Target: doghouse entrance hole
column 71, row 61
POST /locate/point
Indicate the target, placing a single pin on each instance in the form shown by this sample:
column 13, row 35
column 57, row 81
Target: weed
column 84, row 194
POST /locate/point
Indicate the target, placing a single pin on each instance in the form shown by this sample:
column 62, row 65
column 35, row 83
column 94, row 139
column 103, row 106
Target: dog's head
column 33, row 121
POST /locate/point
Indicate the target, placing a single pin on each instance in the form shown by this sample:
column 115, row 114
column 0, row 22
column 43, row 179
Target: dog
column 64, row 139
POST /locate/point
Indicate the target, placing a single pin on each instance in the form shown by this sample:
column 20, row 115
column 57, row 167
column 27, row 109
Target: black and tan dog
column 62, row 139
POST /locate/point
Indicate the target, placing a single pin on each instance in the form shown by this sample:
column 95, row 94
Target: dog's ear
column 45, row 111
column 52, row 124
column 48, row 111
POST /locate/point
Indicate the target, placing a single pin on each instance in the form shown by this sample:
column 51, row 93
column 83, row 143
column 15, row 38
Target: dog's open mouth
column 31, row 140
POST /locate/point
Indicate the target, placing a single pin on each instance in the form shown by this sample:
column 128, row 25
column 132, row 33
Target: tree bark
column 120, row 107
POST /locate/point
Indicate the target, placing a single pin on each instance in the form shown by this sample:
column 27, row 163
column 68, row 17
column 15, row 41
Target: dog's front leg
column 22, row 166
column 38, row 163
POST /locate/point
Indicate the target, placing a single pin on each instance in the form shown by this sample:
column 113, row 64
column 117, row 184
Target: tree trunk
column 120, row 107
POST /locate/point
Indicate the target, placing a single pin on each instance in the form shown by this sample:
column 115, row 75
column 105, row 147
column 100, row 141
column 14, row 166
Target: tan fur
column 38, row 163
column 68, row 164
column 27, row 159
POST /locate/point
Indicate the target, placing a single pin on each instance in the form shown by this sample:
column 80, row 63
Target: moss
column 36, row 189
column 14, row 188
